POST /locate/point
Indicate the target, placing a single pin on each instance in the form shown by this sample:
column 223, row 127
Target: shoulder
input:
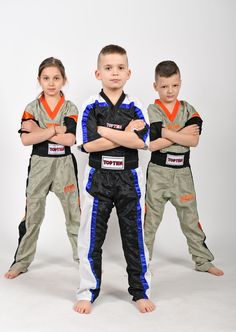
column 133, row 101
column 71, row 106
column 190, row 109
column 187, row 105
column 134, row 104
column 70, row 103
column 152, row 108
column 155, row 114
column 32, row 105
column 93, row 100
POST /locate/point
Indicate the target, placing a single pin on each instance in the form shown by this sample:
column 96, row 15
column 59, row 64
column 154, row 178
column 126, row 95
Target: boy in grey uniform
column 175, row 126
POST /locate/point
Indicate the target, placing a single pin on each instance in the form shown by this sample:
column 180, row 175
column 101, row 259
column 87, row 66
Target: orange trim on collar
column 52, row 113
column 171, row 116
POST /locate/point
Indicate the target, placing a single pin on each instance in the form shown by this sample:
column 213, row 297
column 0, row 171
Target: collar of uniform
column 171, row 115
column 52, row 113
column 119, row 101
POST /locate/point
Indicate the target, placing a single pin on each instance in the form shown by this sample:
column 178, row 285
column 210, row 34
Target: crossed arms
column 187, row 136
column 112, row 138
column 36, row 134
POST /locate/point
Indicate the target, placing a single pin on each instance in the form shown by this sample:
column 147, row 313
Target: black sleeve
column 143, row 133
column 155, row 130
column 195, row 120
column 70, row 124
column 138, row 115
column 23, row 131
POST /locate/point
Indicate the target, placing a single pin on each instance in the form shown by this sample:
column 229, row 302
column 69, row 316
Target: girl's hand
column 60, row 129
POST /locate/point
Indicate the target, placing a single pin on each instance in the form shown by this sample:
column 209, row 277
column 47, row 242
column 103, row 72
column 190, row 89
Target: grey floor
column 41, row 300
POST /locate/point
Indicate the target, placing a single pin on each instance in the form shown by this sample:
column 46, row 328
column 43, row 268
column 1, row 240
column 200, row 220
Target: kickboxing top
column 64, row 114
column 182, row 115
column 99, row 111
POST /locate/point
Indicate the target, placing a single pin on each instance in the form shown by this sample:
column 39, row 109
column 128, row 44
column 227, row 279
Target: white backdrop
column 198, row 35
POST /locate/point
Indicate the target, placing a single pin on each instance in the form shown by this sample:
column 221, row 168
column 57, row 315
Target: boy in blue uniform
column 174, row 127
column 113, row 128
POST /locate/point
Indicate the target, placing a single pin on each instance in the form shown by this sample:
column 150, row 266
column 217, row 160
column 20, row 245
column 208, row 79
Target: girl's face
column 51, row 81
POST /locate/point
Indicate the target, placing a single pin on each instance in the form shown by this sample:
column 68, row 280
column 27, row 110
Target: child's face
column 168, row 88
column 113, row 71
column 51, row 81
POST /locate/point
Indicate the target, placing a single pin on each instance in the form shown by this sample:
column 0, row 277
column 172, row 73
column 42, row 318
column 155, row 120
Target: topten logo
column 174, row 126
column 114, row 126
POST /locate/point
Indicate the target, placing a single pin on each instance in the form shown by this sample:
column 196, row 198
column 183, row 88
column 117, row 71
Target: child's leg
column 67, row 190
column 184, row 199
column 156, row 198
column 37, row 189
column 96, row 209
column 129, row 203
column 28, row 235
column 13, row 273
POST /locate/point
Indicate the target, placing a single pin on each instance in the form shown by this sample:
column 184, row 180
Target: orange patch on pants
column 69, row 188
column 187, row 197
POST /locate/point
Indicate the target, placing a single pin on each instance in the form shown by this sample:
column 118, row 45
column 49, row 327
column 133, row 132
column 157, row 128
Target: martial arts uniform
column 112, row 178
column 169, row 178
column 52, row 167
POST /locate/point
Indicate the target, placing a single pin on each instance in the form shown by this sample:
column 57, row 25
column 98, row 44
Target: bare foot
column 83, row 307
column 217, row 272
column 145, row 305
column 12, row 274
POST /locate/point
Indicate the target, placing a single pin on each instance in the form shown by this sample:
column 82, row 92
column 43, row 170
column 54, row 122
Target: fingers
column 138, row 125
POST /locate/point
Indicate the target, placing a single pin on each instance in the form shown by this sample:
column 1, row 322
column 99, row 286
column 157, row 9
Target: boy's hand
column 135, row 125
column 100, row 129
column 190, row 130
column 30, row 126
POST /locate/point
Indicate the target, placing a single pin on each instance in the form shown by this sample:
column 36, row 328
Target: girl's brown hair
column 52, row 62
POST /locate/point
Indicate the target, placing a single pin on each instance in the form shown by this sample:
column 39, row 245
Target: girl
column 49, row 124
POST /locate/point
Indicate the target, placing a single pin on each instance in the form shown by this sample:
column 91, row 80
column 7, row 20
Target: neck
column 170, row 106
column 55, row 97
column 113, row 95
column 52, row 100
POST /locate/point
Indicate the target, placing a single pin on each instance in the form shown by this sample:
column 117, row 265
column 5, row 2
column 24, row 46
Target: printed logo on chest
column 114, row 126
column 173, row 126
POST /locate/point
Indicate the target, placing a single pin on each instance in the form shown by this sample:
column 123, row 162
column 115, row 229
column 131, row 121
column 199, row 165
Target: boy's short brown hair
column 166, row 69
column 111, row 49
